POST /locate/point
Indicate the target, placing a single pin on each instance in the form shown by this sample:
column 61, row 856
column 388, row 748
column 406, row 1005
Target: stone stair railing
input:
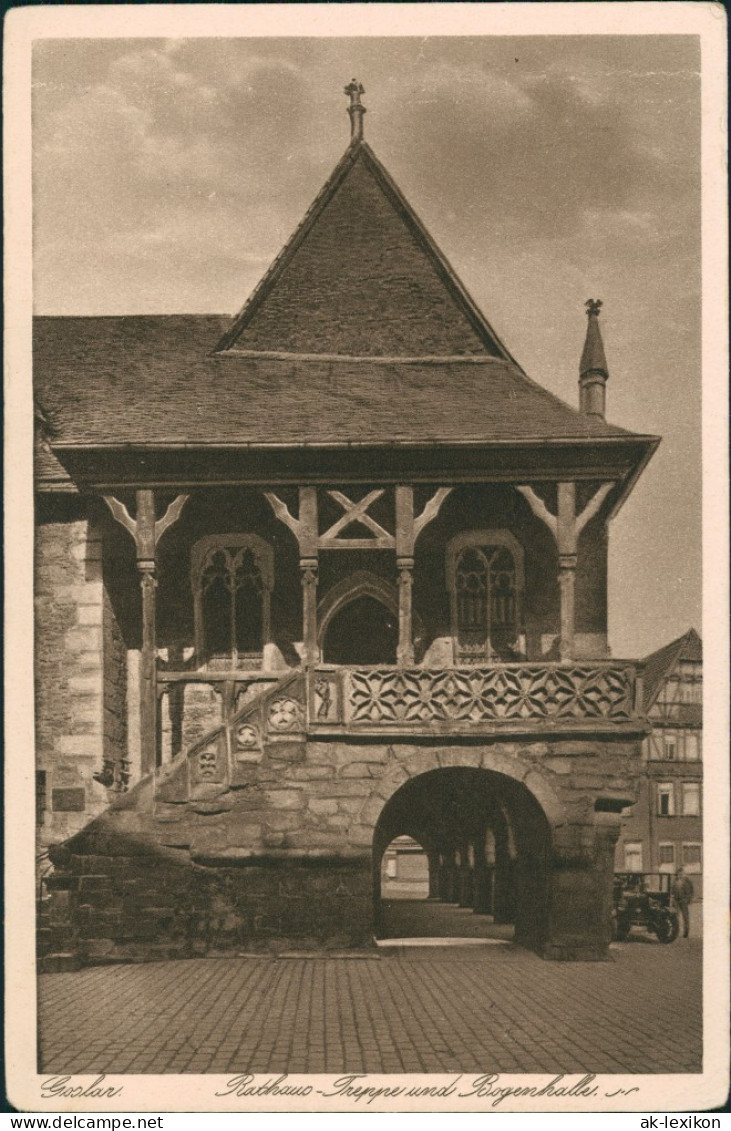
column 224, row 757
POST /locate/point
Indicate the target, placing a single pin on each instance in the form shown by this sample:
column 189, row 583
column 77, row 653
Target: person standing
column 682, row 892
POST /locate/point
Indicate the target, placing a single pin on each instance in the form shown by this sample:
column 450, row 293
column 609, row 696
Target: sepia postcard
column 367, row 576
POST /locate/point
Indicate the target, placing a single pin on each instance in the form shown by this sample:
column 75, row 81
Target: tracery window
column 232, row 578
column 485, row 578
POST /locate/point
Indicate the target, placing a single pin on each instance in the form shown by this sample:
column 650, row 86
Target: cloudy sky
column 168, row 174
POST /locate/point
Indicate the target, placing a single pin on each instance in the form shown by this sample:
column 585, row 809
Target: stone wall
column 70, row 717
column 284, row 852
column 115, row 684
column 139, row 907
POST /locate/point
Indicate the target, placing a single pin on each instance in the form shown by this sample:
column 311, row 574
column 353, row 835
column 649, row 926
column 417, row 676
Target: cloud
column 498, row 143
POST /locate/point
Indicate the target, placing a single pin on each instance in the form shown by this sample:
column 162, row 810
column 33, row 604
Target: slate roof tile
column 360, row 332
column 151, row 380
column 362, row 276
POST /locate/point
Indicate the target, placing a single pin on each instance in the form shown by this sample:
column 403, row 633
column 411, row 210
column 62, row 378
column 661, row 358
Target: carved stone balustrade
column 577, row 698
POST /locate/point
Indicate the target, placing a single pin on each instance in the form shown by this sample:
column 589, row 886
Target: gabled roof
column 361, row 276
column 660, row 664
column 359, row 334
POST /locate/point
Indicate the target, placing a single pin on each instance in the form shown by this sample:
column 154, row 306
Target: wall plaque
column 68, row 800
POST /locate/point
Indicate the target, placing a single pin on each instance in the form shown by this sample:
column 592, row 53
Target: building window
column 666, row 856
column 232, row 578
column 691, row 683
column 692, row 747
column 485, row 579
column 665, row 799
column 691, row 795
column 692, row 856
column 670, row 749
column 633, row 856
column 41, row 797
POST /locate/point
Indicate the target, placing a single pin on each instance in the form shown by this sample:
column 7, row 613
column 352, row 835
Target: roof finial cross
column 593, row 306
column 356, row 109
column 355, row 89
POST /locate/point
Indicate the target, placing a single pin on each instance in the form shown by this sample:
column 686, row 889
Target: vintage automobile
column 643, row 899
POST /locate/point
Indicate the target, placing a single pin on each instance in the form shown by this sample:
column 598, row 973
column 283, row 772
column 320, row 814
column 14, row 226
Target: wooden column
column 311, row 651
column 148, row 675
column 566, row 526
column 567, row 538
column 305, row 530
column 146, row 532
column 310, row 542
column 405, row 537
column 145, row 539
column 307, row 536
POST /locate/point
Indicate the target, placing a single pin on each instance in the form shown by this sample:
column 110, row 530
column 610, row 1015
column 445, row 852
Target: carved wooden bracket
column 283, row 513
column 567, row 525
column 145, row 530
column 171, row 516
column 431, row 510
column 408, row 527
column 539, row 508
column 592, row 507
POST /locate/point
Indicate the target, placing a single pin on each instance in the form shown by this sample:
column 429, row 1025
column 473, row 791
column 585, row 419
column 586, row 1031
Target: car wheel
column 666, row 928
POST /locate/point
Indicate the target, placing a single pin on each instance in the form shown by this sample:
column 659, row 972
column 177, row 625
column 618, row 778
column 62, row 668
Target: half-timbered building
column 664, row 830
column 317, row 577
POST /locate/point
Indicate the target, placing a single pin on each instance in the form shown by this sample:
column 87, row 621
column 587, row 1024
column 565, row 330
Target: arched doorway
column 404, row 871
column 487, row 841
column 362, row 631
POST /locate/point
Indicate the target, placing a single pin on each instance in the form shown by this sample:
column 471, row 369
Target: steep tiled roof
column 359, row 333
column 152, row 381
column 361, row 276
column 658, row 665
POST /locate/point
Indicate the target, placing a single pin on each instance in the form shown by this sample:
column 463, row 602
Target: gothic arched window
column 232, row 577
column 485, row 578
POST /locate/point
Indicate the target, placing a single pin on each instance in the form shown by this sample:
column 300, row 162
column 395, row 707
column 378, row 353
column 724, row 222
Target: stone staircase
column 147, row 878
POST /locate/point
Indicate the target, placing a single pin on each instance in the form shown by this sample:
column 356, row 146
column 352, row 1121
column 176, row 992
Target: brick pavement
column 491, row 1008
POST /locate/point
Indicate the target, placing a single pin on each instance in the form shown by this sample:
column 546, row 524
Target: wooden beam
column 171, row 516
column 593, row 506
column 121, row 514
column 146, row 532
column 308, row 522
column 539, row 508
column 566, row 537
column 355, row 512
column 405, row 648
column 145, row 542
column 431, row 510
column 405, row 526
column 405, row 540
column 282, row 512
column 309, row 611
column 145, row 527
column 388, row 542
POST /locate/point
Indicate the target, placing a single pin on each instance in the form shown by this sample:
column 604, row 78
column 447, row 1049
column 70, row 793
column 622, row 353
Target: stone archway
column 488, row 841
column 361, row 609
